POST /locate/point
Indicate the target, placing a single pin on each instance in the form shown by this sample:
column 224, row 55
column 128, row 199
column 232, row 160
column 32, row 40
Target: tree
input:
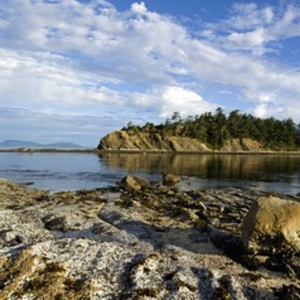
column 234, row 124
column 176, row 117
column 131, row 127
column 216, row 129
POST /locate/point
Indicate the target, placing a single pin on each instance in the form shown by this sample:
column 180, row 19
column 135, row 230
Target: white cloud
column 256, row 29
column 186, row 102
column 71, row 56
column 247, row 16
column 287, row 26
column 139, row 8
column 260, row 110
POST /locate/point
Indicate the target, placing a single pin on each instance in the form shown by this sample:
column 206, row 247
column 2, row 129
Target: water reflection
column 242, row 167
column 62, row 171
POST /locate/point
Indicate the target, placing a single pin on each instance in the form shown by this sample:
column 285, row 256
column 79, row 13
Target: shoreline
column 144, row 152
column 118, row 243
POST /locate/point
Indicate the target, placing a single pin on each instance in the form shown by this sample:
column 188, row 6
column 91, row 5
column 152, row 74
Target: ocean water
column 74, row 171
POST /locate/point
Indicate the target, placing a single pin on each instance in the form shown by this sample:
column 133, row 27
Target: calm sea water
column 73, row 171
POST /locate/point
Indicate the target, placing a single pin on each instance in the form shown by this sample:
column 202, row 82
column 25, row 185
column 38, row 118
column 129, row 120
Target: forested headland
column 214, row 129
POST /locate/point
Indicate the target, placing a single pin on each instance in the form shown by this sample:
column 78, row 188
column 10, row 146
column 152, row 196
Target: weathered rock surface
column 272, row 225
column 154, row 244
column 129, row 140
column 245, row 144
column 134, row 183
column 169, row 179
column 124, row 140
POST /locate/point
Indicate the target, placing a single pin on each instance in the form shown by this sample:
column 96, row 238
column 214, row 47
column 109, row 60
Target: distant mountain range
column 11, row 144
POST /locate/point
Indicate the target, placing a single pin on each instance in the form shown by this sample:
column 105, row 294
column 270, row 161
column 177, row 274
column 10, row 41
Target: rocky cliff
column 237, row 145
column 129, row 140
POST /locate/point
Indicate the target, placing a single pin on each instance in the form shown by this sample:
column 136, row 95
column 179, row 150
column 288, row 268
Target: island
column 207, row 133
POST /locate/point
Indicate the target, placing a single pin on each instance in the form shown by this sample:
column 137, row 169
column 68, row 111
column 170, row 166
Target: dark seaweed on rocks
column 157, row 242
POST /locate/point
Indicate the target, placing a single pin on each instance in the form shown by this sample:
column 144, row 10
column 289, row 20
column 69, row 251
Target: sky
column 76, row 70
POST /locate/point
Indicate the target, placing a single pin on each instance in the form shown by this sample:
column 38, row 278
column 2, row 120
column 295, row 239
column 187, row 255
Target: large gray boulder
column 272, row 226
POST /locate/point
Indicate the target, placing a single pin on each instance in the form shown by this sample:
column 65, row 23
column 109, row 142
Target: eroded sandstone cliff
column 129, row 140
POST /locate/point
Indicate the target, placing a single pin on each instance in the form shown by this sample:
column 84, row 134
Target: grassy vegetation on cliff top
column 215, row 129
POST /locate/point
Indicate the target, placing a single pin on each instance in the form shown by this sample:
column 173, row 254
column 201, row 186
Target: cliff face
column 124, row 140
column 242, row 145
column 128, row 140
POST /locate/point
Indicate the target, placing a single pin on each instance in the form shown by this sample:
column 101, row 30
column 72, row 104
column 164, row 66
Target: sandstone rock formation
column 124, row 140
column 135, row 141
column 272, row 225
column 237, row 145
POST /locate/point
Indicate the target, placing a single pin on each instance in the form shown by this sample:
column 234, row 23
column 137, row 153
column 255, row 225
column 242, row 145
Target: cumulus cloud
column 260, row 110
column 139, row 8
column 254, row 28
column 187, row 102
column 247, row 16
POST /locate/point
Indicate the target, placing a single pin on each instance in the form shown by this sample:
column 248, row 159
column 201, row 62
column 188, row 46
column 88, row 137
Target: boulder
column 272, row 226
column 134, row 183
column 169, row 179
column 144, row 183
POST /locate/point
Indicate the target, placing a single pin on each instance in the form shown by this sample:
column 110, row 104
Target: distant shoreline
column 138, row 151
column 46, row 150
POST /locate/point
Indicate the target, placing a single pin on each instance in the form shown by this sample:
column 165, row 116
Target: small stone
column 170, row 179
column 133, row 183
column 52, row 222
column 170, row 193
column 272, row 226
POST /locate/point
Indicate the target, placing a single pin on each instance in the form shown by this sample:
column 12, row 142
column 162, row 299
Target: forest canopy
column 215, row 129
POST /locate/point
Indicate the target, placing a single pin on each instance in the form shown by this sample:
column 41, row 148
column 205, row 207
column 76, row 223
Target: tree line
column 215, row 129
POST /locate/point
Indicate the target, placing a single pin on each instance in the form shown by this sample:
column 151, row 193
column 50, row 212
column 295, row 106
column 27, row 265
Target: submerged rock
column 169, row 179
column 272, row 225
column 134, row 183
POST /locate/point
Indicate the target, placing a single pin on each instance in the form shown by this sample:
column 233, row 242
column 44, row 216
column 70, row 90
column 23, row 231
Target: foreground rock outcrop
column 154, row 243
column 272, row 225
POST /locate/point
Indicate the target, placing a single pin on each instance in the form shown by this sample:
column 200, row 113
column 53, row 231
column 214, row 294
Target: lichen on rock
column 272, row 225
column 157, row 243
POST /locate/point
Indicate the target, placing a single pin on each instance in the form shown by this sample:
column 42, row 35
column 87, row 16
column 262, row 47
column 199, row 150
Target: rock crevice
column 150, row 243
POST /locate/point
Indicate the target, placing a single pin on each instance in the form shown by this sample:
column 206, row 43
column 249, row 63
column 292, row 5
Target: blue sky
column 74, row 71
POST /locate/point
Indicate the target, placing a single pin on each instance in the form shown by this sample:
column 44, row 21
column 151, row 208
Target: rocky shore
column 136, row 241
